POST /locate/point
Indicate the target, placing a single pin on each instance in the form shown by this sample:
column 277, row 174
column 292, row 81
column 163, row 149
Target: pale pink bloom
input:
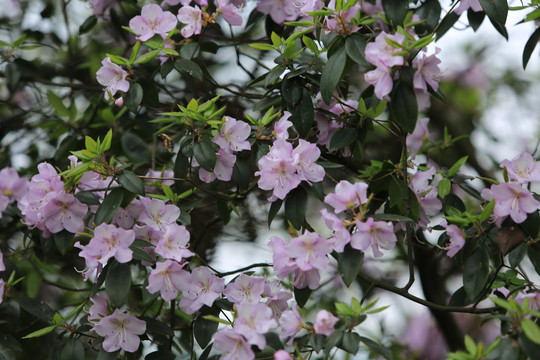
column 305, row 6
column 200, row 287
column 341, row 22
column 533, row 297
column 276, row 297
column 327, row 126
column 278, row 170
column 426, row 193
column 303, row 279
column 281, row 127
column 2, row 266
column 245, row 289
column 113, row 77
column 223, row 169
column 100, row 5
column 381, row 80
column 374, row 234
column 306, row 167
column 192, row 18
column 253, row 321
column 427, row 73
column 282, row 355
column 63, row 211
column 166, row 279
column 457, row 240
column 174, row 244
column 381, row 54
column 120, row 331
column 415, row 140
column 473, row 5
column 229, row 9
column 324, row 323
column 2, row 289
column 158, row 214
column 522, row 168
column 279, row 10
column 309, row 251
column 233, row 346
column 108, row 242
column 291, row 323
column 232, row 135
column 12, row 186
column 152, row 21
column 156, row 184
column 512, row 199
column 99, row 308
column 283, row 263
column 347, row 196
column 341, row 235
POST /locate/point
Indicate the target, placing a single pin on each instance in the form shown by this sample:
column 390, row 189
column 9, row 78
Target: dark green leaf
column 332, row 341
column 150, row 92
column 342, row 138
column 223, row 211
column 160, row 355
column 350, row 342
column 349, row 264
column 205, row 153
column 206, row 352
column 110, row 205
column 376, row 347
column 181, row 165
column 531, row 225
column 10, row 342
column 72, row 350
column 204, row 329
column 292, row 90
column 302, row 296
column 507, row 349
column 430, row 11
column 189, row 67
column 526, row 345
column 241, row 174
column 140, row 254
column 459, row 298
column 166, row 68
column 355, row 46
column 317, row 342
column 13, row 75
column 516, row 256
column 88, row 24
column 534, row 256
column 87, row 197
column 131, row 182
column 302, row 114
column 134, row 97
column 157, row 327
column 475, row 19
column 475, row 268
column 37, row 308
column 135, row 148
column 149, row 56
column 530, row 46
column 446, row 24
column 63, row 240
column 332, row 73
column 395, row 11
column 496, row 9
column 274, row 209
column 295, row 207
column 531, row 329
column 57, row 104
column 500, row 28
column 273, row 75
column 404, row 107
column 118, row 283
column 105, row 355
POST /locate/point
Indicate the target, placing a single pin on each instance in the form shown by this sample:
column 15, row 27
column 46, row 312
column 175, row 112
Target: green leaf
column 105, row 355
column 262, row 46
column 189, row 67
column 349, row 264
column 446, row 24
column 131, row 182
column 342, row 138
column 403, row 106
column 149, row 56
column 63, row 240
column 156, row 327
column 106, row 144
column 134, row 97
column 350, row 342
column 310, row 44
column 391, row 217
column 292, row 90
column 37, row 308
column 376, row 347
column 203, row 329
column 295, row 207
column 530, row 46
column 161, row 355
column 90, row 144
column 475, row 268
column 302, row 296
column 87, row 197
column 241, row 174
column 205, row 153
column 57, row 104
column 496, row 9
column 40, row 332
column 430, row 12
column 274, row 209
column 475, row 19
column 118, row 283
column 135, row 148
column 110, row 205
column 395, row 11
column 332, row 74
column 530, row 328
column 534, row 256
column 455, row 168
column 88, row 24
column 303, row 114
column 355, row 46
column 13, row 76
column 444, row 186
column 72, row 350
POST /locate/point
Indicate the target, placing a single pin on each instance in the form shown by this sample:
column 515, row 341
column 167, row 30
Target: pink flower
column 120, row 331
column 279, row 10
column 63, row 211
column 174, row 244
column 291, row 323
column 341, row 235
column 245, row 289
column 158, row 214
column 229, row 10
column 381, row 54
column 282, row 355
column 223, row 169
column 324, row 323
column 309, row 251
column 305, row 6
column 415, row 141
column 2, row 289
column 99, row 308
column 374, row 234
column 522, row 168
column 281, row 127
column 166, row 279
column 253, row 321
column 12, row 186
column 382, row 81
column 306, row 168
column 427, row 73
column 100, row 5
column 152, row 21
column 347, row 196
column 512, row 199
column 2, row 266
column 199, row 288
column 456, row 239
column 232, row 345
column 232, row 135
column 474, row 5
column 113, row 77
column 341, row 21
column 192, row 18
column 108, row 242
column 283, row 263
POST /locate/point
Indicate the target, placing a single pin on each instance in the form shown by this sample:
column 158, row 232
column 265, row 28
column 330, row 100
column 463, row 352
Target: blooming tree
column 139, row 155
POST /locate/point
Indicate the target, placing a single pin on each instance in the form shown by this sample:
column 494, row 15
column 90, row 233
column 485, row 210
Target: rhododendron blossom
column 233, row 345
column 324, row 323
column 522, row 168
column 253, row 321
column 200, row 287
column 152, row 21
column 120, row 331
column 166, row 279
column 514, row 200
column 232, row 135
column 279, row 10
column 192, row 18
column 347, row 196
column 113, row 77
column 373, row 234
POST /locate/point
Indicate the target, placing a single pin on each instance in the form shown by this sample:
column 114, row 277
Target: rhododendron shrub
column 138, row 141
